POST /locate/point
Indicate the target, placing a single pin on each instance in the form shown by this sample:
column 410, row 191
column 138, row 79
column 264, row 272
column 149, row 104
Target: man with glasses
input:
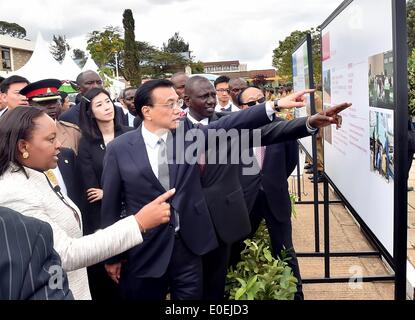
column 10, row 96
column 224, row 99
column 235, row 87
column 266, row 193
column 143, row 163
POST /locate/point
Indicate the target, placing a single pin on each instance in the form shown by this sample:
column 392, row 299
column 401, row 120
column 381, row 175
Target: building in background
column 14, row 53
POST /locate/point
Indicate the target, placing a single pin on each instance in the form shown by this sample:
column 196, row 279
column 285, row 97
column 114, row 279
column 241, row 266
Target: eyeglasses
column 252, row 103
column 171, row 105
column 223, row 91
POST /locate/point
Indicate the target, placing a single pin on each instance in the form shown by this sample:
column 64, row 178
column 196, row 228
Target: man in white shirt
column 224, row 99
column 10, row 96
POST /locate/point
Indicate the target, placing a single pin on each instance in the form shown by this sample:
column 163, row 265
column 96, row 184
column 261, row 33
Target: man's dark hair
column 1, row 79
column 239, row 97
column 87, row 121
column 143, row 96
column 222, row 79
column 15, row 125
column 6, row 83
column 126, row 90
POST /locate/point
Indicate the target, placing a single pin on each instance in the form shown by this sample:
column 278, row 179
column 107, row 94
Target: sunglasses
column 252, row 103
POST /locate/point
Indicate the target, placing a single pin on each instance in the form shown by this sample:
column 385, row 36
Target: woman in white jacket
column 28, row 150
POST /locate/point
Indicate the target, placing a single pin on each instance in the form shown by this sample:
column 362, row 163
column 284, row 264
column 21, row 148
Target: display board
column 358, row 67
column 302, row 79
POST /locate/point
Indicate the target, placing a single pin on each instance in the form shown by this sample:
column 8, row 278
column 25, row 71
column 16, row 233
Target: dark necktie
column 163, row 166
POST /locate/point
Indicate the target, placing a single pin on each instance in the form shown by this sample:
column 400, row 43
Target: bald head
column 235, row 87
column 250, row 96
column 179, row 80
column 87, row 80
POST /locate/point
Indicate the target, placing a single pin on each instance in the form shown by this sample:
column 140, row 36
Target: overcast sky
column 243, row 30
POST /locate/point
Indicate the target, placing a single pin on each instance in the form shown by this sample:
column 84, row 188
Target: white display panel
column 358, row 67
column 301, row 81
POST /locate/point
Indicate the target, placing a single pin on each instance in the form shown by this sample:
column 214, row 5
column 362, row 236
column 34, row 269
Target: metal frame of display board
column 398, row 261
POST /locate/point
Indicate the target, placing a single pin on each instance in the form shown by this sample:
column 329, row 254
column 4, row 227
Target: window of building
column 5, row 59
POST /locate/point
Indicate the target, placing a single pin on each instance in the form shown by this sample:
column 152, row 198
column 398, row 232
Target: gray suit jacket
column 30, row 267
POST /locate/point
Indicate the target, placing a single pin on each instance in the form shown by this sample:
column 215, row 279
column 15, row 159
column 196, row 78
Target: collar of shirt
column 130, row 119
column 204, row 121
column 229, row 106
column 3, row 111
column 150, row 138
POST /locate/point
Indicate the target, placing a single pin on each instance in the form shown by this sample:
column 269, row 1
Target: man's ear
column 146, row 112
column 186, row 100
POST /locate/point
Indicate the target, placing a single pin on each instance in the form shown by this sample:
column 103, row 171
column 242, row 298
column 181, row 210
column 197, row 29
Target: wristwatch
column 275, row 106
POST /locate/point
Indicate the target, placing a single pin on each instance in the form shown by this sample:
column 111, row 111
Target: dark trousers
column 102, row 287
column 280, row 234
column 183, row 279
column 215, row 267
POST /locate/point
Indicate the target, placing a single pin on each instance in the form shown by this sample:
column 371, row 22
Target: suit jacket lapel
column 138, row 153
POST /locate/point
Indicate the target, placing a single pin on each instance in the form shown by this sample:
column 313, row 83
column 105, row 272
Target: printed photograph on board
column 381, row 80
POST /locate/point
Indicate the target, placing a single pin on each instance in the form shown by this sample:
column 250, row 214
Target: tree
column 104, row 45
column 176, row 44
column 410, row 11
column 131, row 53
column 282, row 58
column 197, row 67
column 80, row 57
column 59, row 47
column 12, row 29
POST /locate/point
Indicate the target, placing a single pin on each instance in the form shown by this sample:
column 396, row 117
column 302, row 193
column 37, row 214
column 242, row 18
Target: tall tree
column 176, row 44
column 410, row 11
column 104, row 45
column 12, row 29
column 59, row 47
column 80, row 57
column 282, row 58
column 131, row 53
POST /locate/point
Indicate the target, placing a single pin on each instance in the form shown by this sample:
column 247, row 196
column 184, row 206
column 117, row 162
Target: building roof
column 221, row 63
column 11, row 42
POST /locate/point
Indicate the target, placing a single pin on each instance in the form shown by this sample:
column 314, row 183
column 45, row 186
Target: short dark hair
column 15, row 125
column 192, row 82
column 222, row 79
column 1, row 79
column 143, row 96
column 126, row 90
column 87, row 122
column 6, row 83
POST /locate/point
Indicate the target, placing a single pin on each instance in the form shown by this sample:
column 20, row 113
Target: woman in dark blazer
column 98, row 128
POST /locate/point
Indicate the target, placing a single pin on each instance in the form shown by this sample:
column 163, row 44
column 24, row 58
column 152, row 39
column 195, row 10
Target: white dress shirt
column 151, row 141
column 130, row 120
column 3, row 111
column 61, row 182
column 204, row 121
column 230, row 105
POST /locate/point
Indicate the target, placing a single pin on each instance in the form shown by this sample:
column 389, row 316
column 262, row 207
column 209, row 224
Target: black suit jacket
column 127, row 171
column 72, row 115
column 67, row 167
column 222, row 186
column 89, row 168
column 26, row 257
column 279, row 162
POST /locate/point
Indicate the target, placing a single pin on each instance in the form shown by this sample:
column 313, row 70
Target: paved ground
column 345, row 236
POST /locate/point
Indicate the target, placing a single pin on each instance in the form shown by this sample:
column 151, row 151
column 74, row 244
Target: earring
column 25, row 155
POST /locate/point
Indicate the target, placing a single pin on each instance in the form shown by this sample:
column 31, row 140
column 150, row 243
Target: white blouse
column 35, row 197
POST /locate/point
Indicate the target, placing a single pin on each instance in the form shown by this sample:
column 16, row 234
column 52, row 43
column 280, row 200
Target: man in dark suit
column 28, row 261
column 127, row 100
column 220, row 180
column 170, row 256
column 70, row 180
column 266, row 193
column 87, row 80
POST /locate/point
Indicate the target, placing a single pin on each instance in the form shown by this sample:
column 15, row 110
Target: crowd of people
column 121, row 210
